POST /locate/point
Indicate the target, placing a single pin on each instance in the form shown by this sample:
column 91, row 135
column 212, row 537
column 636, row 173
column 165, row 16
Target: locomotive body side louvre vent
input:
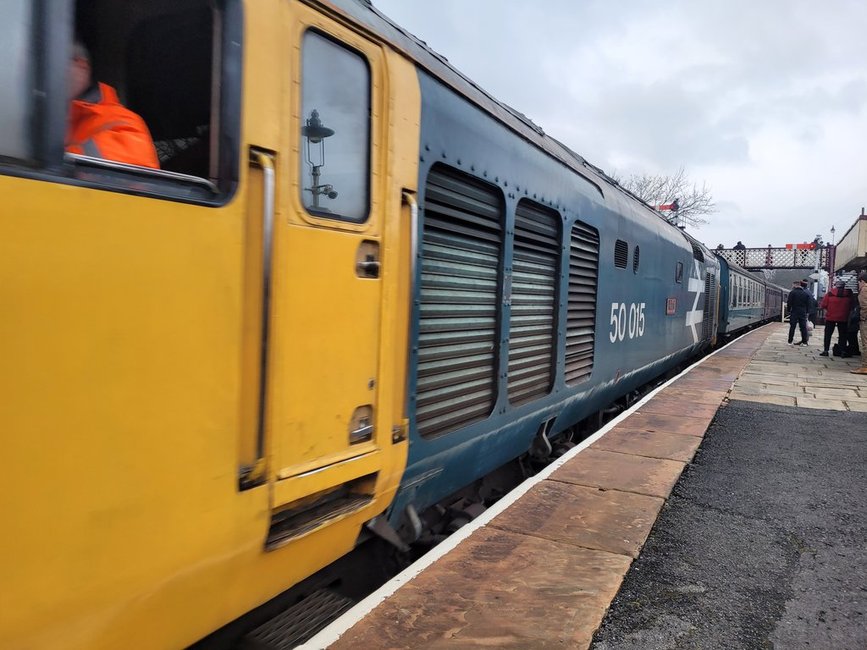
column 581, row 310
column 462, row 247
column 535, row 275
column 709, row 302
column 621, row 254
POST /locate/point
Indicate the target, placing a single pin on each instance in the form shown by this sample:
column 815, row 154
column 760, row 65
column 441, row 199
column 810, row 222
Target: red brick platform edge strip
column 544, row 571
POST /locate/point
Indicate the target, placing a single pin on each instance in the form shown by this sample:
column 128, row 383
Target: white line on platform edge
column 332, row 632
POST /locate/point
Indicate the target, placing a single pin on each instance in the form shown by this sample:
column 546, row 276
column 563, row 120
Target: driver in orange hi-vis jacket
column 99, row 126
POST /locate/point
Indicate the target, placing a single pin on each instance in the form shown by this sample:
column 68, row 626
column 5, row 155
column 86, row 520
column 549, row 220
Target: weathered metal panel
column 460, row 266
column 535, row 272
column 581, row 306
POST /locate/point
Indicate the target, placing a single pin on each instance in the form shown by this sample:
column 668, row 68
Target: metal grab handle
column 413, row 233
column 409, row 199
column 266, row 162
column 252, row 475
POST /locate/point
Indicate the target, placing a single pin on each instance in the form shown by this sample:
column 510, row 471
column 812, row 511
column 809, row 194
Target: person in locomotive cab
column 862, row 303
column 99, row 126
column 837, row 304
column 798, row 304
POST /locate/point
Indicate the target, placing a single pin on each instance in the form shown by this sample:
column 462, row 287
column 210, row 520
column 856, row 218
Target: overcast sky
column 764, row 100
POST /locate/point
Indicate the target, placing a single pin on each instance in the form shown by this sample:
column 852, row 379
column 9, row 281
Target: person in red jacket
column 99, row 126
column 837, row 304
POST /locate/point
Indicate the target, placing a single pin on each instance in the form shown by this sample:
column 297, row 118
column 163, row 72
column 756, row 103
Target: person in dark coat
column 837, row 304
column 798, row 304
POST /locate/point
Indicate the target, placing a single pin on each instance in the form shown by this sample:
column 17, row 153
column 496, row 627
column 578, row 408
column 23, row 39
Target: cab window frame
column 53, row 25
column 304, row 172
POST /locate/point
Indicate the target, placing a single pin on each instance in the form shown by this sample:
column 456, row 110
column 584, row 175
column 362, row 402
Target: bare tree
column 694, row 202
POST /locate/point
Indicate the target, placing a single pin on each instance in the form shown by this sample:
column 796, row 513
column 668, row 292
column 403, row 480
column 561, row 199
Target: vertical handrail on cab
column 413, row 233
column 252, row 475
column 409, row 199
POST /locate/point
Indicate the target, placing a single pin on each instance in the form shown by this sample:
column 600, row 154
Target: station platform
column 542, row 567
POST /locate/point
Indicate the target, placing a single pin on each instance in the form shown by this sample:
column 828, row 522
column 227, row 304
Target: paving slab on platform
column 668, row 405
column 605, row 520
column 672, row 446
column 626, row 472
column 797, row 376
column 543, row 596
column 681, row 421
column 711, row 397
column 702, row 384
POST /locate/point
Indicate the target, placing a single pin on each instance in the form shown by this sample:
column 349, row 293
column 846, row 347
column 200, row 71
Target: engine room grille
column 709, row 302
column 535, row 271
column 460, row 269
column 621, row 254
column 581, row 313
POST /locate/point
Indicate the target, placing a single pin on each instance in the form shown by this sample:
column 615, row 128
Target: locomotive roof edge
column 364, row 14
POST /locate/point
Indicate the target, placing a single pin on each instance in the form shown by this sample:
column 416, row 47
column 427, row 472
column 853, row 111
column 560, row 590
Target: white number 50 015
column 626, row 320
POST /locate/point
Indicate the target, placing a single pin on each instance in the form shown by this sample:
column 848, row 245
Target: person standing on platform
column 837, row 304
column 852, row 347
column 798, row 304
column 862, row 303
column 812, row 308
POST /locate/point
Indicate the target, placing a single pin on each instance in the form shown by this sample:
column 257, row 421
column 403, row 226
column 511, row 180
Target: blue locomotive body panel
column 653, row 303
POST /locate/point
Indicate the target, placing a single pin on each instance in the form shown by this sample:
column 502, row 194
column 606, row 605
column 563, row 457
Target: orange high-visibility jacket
column 99, row 126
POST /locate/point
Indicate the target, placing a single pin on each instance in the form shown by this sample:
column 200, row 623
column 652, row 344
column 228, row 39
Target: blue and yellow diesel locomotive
column 356, row 284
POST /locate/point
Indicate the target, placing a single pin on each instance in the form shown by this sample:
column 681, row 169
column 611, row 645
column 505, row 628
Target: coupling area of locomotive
column 296, row 616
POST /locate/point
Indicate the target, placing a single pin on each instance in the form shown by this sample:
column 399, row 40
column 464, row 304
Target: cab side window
column 176, row 66
column 16, row 76
column 123, row 95
column 335, row 130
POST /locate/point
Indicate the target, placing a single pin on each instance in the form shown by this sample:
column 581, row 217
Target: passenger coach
column 746, row 300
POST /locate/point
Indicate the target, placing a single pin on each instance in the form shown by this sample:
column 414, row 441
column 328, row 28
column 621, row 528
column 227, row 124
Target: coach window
column 335, row 130
column 16, row 78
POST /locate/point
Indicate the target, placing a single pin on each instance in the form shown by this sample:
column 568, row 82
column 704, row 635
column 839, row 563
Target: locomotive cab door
column 326, row 439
